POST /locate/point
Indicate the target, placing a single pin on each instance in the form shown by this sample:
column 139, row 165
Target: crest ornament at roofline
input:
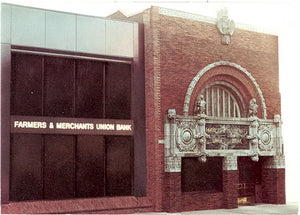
column 225, row 25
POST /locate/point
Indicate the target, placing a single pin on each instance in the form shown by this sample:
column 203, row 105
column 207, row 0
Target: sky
column 280, row 16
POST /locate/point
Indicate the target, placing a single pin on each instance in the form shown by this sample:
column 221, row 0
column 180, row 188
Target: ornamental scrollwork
column 201, row 135
column 185, row 135
column 265, row 143
column 171, row 113
column 253, row 136
column 225, row 25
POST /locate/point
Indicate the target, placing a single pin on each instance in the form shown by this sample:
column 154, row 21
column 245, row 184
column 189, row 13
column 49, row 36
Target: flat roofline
column 65, row 12
column 168, row 12
column 211, row 20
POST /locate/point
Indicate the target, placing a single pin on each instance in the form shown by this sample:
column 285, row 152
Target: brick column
column 273, row 180
column 172, row 201
column 230, row 182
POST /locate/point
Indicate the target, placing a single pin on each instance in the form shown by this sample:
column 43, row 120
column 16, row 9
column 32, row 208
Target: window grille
column 223, row 101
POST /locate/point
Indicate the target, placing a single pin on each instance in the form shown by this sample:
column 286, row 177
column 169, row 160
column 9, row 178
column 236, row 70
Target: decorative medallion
column 185, row 136
column 225, row 25
column 265, row 142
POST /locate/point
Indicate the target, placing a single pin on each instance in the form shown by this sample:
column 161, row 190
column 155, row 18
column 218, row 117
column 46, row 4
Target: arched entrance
column 216, row 148
column 223, row 100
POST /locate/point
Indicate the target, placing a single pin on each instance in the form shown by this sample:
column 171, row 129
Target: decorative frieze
column 202, row 136
column 224, row 137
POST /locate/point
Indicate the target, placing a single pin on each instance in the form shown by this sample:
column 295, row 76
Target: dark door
column 249, row 180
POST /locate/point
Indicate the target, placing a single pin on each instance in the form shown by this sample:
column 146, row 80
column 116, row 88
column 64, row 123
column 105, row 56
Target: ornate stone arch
column 222, row 63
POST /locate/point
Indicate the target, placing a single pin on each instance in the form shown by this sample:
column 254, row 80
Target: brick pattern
column 92, row 205
column 202, row 201
column 155, row 152
column 176, row 49
column 273, row 186
column 172, row 196
column 230, row 188
column 187, row 46
column 176, row 201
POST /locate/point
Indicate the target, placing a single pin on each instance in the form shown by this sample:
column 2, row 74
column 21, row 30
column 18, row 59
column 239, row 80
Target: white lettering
column 29, row 124
column 122, row 127
column 75, row 126
column 105, row 126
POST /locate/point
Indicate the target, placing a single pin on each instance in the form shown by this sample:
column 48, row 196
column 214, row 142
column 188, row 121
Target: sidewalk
column 259, row 209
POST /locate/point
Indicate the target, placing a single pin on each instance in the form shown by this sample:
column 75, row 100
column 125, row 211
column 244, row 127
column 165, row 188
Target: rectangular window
column 26, row 167
column 27, row 83
column 201, row 176
column 46, row 166
column 90, row 166
column 59, row 87
column 59, row 168
column 118, row 94
column 118, row 175
column 90, row 92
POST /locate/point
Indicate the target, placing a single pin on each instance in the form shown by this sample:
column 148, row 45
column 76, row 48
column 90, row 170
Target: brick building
column 161, row 111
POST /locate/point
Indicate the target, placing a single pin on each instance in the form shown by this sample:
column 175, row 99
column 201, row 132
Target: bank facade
column 161, row 111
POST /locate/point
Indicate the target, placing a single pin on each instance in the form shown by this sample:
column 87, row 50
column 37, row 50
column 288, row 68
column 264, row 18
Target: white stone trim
column 161, row 141
column 230, row 163
column 207, row 19
column 222, row 63
column 173, row 164
column 186, row 15
column 275, row 162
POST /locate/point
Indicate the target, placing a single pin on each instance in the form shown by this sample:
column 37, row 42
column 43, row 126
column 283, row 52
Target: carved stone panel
column 227, row 136
column 184, row 135
column 266, row 137
column 225, row 25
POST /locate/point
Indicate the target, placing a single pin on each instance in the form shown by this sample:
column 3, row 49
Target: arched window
column 223, row 100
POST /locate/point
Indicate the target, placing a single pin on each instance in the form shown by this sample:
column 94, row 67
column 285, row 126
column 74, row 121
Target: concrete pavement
column 259, row 209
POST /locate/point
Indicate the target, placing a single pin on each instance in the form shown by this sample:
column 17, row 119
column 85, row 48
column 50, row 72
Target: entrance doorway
column 249, row 188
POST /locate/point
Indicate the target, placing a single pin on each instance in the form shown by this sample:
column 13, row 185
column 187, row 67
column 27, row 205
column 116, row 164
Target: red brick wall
column 230, row 188
column 176, row 49
column 172, row 196
column 187, row 46
column 155, row 152
column 273, row 186
column 90, row 205
column 202, row 201
column 174, row 200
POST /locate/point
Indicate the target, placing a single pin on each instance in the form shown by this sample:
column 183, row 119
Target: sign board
column 57, row 125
